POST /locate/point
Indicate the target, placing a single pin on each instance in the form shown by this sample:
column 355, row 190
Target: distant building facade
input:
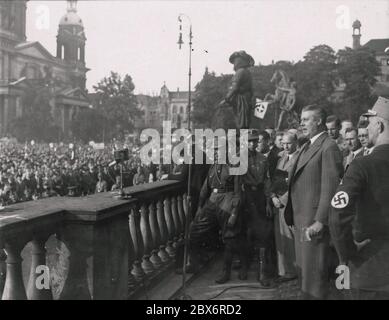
column 168, row 106
column 381, row 49
column 25, row 64
column 174, row 107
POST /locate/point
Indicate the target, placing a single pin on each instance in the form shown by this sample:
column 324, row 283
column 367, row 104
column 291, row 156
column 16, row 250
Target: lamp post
column 189, row 200
column 180, row 43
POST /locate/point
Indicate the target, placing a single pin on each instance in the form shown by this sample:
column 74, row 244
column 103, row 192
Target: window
column 174, row 109
column 181, row 109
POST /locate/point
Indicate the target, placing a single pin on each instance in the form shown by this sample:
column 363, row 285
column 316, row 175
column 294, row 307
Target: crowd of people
column 34, row 171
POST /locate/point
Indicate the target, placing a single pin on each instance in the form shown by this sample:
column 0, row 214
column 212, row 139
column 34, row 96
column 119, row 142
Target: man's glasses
column 363, row 135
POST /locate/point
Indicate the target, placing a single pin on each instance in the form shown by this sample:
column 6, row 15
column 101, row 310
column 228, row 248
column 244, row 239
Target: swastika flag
column 260, row 108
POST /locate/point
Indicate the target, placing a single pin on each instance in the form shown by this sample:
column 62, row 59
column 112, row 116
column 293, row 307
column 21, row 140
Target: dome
column 71, row 18
column 357, row 24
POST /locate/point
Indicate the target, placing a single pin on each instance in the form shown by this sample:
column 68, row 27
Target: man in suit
column 267, row 147
column 359, row 220
column 353, row 145
column 279, row 195
column 333, row 125
column 363, row 136
column 312, row 183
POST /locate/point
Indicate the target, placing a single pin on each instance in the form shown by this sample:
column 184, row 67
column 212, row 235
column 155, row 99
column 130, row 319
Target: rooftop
column 378, row 45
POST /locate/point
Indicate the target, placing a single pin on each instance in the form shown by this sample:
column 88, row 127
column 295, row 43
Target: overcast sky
column 139, row 37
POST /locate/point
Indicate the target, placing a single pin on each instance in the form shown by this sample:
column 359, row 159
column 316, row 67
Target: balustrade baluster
column 14, row 286
column 131, row 253
column 137, row 240
column 3, row 268
column 155, row 236
column 181, row 215
column 163, row 232
column 170, row 227
column 147, row 240
column 38, row 252
column 176, row 220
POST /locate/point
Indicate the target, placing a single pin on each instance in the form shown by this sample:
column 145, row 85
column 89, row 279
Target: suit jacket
column 350, row 157
column 312, row 182
column 280, row 181
column 273, row 158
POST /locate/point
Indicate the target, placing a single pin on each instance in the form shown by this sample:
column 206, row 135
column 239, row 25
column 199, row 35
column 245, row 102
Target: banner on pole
column 260, row 108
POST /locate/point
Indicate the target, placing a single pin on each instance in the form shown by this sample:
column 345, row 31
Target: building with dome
column 26, row 64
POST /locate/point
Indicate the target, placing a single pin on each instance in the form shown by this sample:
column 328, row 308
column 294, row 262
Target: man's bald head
column 289, row 142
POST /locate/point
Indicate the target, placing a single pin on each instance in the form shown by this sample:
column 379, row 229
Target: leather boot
column 227, row 264
column 244, row 263
column 262, row 279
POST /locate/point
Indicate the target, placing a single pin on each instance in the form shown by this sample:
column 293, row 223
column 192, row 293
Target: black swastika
column 340, row 199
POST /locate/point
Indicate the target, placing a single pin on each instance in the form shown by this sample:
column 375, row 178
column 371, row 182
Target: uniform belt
column 253, row 188
column 215, row 190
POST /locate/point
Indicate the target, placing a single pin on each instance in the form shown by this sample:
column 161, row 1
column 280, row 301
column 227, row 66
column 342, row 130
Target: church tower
column 71, row 37
column 356, row 34
column 13, row 20
column 71, row 44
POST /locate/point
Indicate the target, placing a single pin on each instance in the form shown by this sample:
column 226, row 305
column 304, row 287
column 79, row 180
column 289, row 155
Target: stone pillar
column 98, row 262
column 63, row 117
column 82, row 53
column 5, row 120
column 19, row 107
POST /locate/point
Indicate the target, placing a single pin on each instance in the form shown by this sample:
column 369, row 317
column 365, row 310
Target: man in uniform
column 257, row 214
column 359, row 220
column 218, row 209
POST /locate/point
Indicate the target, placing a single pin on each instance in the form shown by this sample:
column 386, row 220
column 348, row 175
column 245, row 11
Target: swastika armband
column 340, row 200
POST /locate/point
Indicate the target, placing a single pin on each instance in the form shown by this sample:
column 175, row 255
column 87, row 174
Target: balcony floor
column 203, row 286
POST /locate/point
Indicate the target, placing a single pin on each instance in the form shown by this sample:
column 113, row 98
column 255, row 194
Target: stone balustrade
column 94, row 247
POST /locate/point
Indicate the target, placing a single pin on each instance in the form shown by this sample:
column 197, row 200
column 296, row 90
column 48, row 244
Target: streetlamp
column 180, row 43
column 189, row 200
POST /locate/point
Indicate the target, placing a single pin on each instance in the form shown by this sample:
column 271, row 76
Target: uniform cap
column 380, row 109
column 253, row 135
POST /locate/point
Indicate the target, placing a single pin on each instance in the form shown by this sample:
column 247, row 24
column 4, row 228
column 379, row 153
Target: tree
column 208, row 93
column 37, row 121
column 357, row 69
column 87, row 125
column 117, row 104
column 315, row 77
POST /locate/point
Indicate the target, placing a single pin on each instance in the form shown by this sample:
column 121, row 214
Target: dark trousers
column 259, row 228
column 212, row 220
